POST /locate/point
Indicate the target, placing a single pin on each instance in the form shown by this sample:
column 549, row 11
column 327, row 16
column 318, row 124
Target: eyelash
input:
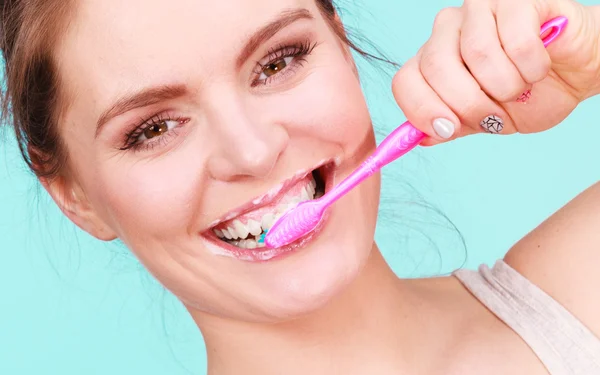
column 131, row 137
column 298, row 51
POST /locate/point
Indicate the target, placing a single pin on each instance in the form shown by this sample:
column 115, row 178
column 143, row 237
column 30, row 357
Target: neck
column 364, row 327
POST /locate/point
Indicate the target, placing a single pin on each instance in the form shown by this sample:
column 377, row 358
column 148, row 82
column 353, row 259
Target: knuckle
column 420, row 110
column 399, row 81
column 445, row 15
column 432, row 62
column 540, row 71
column 467, row 109
column 520, row 48
column 507, row 94
column 503, row 85
column 527, row 54
column 507, row 88
column 474, row 49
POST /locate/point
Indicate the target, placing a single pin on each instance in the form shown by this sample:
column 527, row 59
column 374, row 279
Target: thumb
column 577, row 44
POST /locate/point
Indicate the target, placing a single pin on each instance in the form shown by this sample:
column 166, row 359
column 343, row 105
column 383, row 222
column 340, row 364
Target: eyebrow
column 265, row 33
column 153, row 95
column 142, row 98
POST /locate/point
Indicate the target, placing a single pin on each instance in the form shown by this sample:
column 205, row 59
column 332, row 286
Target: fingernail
column 443, row 127
column 524, row 97
column 492, row 124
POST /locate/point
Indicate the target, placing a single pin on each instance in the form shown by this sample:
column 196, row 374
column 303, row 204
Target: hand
column 482, row 57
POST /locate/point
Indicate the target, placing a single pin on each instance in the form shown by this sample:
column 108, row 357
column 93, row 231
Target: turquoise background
column 72, row 305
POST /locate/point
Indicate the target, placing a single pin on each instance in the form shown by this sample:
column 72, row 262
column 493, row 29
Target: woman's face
column 191, row 120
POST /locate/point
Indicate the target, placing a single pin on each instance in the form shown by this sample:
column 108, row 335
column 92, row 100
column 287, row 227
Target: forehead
column 115, row 45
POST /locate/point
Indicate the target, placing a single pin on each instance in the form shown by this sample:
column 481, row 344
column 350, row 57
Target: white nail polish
column 443, row 127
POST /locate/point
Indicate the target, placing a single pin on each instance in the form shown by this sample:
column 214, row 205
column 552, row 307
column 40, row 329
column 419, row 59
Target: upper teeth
column 267, row 221
column 254, row 227
column 239, row 231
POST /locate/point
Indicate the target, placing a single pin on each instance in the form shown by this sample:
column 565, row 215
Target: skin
column 238, row 141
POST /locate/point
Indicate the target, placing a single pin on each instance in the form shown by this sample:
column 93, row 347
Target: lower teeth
column 247, row 244
column 253, row 242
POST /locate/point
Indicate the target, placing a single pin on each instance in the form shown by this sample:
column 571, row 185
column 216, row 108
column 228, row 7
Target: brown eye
column 273, row 68
column 157, row 129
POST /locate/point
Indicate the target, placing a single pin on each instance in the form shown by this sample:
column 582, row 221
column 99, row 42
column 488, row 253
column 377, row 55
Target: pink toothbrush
column 304, row 218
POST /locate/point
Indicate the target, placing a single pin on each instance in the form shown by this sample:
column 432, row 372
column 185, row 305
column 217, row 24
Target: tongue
column 257, row 215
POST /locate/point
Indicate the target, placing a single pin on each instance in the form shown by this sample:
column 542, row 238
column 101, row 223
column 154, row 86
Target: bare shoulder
column 562, row 257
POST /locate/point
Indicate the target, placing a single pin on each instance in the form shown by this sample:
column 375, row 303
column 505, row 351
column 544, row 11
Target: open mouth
column 246, row 229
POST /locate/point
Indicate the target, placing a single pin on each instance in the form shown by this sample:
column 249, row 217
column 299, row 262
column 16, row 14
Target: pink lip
column 271, row 196
column 265, row 254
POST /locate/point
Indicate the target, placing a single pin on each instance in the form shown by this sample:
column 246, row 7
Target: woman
column 186, row 132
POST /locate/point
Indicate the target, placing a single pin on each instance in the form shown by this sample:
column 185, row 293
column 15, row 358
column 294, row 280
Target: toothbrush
column 305, row 217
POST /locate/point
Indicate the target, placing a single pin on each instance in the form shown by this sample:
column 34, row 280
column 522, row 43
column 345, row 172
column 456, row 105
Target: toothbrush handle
column 556, row 26
column 403, row 139
column 406, row 136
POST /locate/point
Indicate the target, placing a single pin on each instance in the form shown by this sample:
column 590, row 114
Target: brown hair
column 31, row 93
column 31, row 96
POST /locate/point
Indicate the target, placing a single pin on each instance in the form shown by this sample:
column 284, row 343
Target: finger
column 443, row 69
column 483, row 54
column 519, row 34
column 576, row 36
column 422, row 106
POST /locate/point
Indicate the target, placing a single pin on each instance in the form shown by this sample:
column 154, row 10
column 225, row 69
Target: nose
column 246, row 145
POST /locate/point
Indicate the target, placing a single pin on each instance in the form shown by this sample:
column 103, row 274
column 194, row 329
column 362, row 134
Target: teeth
column 305, row 195
column 241, row 229
column 247, row 244
column 267, row 221
column 254, row 228
column 234, row 234
column 237, row 232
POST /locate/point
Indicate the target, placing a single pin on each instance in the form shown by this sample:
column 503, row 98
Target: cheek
column 328, row 104
column 142, row 200
column 153, row 200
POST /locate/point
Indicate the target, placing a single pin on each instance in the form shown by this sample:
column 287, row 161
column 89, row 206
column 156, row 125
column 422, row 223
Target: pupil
column 156, row 130
column 275, row 68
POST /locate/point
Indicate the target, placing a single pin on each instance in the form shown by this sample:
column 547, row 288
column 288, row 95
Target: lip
column 220, row 247
column 271, row 196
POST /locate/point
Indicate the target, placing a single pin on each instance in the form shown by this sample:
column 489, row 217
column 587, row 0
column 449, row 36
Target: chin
column 296, row 280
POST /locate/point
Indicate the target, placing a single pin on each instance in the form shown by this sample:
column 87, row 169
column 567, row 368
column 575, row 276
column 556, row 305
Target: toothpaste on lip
column 252, row 223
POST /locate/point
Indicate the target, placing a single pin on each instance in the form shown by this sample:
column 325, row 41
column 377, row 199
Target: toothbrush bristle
column 262, row 237
column 294, row 225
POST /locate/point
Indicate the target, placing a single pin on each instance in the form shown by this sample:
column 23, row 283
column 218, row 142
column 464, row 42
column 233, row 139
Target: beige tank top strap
column 562, row 342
